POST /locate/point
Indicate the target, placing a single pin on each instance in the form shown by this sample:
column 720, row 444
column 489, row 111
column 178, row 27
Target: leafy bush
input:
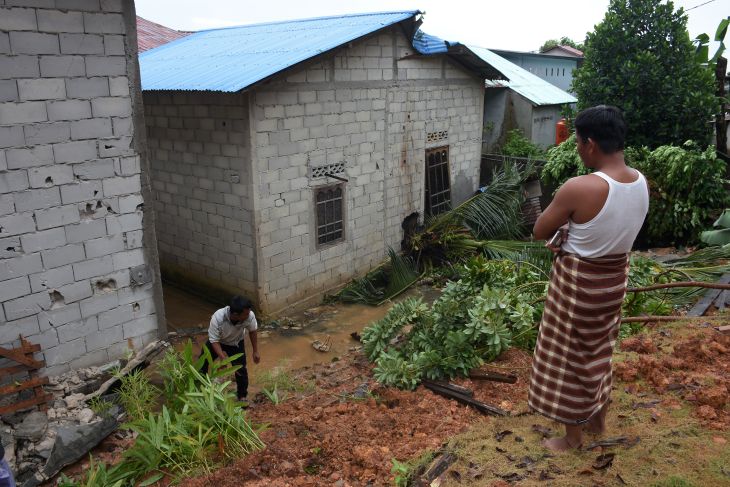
column 687, row 190
column 475, row 319
column 137, row 395
column 563, row 163
column 517, row 145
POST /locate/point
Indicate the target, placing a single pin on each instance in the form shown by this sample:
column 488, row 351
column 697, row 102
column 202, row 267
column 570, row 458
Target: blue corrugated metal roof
column 234, row 58
column 428, row 44
column 532, row 87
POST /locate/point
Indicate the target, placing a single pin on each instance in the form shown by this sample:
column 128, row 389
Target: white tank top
column 614, row 229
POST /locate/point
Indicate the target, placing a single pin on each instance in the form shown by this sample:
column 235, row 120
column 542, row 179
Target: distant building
column 286, row 156
column 563, row 51
column 556, row 69
column 525, row 101
column 151, row 35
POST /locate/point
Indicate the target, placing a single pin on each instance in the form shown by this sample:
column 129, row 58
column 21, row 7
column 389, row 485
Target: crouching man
column 226, row 334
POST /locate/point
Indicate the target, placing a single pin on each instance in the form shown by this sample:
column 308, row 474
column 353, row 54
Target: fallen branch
column 494, row 376
column 438, row 466
column 138, row 360
column 453, row 387
column 479, row 406
column 709, row 285
column 645, row 319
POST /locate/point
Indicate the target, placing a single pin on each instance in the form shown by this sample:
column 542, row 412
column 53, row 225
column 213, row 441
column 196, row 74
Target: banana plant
column 721, row 236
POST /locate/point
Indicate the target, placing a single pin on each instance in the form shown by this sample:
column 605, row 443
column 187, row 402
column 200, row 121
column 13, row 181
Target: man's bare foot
column 595, row 426
column 560, row 444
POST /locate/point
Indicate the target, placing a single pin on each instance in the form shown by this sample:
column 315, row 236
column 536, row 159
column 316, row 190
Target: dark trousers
column 241, row 374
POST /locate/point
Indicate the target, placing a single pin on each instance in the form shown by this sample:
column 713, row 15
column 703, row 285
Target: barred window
column 329, row 215
column 438, row 183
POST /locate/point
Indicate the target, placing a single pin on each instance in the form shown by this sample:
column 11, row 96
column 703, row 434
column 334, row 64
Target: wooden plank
column 26, row 404
column 17, row 355
column 494, row 376
column 15, row 369
column 478, row 405
column 710, row 296
column 27, row 384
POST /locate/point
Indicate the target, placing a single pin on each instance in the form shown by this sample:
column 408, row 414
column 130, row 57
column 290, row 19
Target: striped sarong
column 571, row 369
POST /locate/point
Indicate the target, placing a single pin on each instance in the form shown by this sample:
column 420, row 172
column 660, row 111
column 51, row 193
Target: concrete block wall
column 371, row 109
column 73, row 221
column 199, row 148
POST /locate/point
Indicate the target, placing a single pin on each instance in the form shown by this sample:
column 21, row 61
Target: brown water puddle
column 290, row 348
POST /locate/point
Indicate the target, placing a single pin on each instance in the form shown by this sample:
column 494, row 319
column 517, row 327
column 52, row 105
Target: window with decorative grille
column 329, row 214
column 438, row 184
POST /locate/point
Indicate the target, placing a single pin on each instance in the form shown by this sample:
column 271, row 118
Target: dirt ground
column 670, row 405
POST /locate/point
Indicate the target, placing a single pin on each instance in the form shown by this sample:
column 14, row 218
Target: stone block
column 98, row 169
column 128, row 204
column 93, row 268
column 14, row 19
column 82, row 191
column 84, row 150
column 62, row 66
column 12, row 67
column 83, row 5
column 92, row 128
column 7, row 204
column 59, row 256
column 24, row 112
column 33, row 43
column 13, row 181
column 46, row 339
column 87, row 88
column 111, row 106
column 56, row 217
column 8, row 90
column 140, row 326
column 35, row 199
column 20, row 266
column 10, row 247
column 104, row 246
column 98, row 304
column 69, row 110
column 123, row 126
column 11, row 137
column 108, row 335
column 121, row 185
column 85, row 230
column 60, row 21
column 14, row 288
column 27, row 305
column 41, row 155
column 65, row 352
column 115, row 147
column 106, row 66
column 114, row 45
column 9, row 330
column 128, row 259
column 77, row 291
column 4, row 43
column 51, row 279
column 104, row 23
column 80, row 44
column 47, row 239
column 59, row 316
column 134, row 239
column 47, row 133
column 46, row 176
column 130, row 165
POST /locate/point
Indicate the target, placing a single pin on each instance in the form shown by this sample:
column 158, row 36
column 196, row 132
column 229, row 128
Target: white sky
column 521, row 25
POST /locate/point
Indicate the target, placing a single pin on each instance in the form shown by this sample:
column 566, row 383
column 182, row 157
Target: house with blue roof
column 285, row 157
column 524, row 101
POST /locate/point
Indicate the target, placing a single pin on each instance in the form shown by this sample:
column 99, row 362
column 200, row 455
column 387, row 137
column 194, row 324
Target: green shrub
column 517, row 145
column 137, row 395
column 563, row 163
column 687, row 190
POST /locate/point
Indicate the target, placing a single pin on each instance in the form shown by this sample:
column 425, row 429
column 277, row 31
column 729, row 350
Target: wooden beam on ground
column 701, row 307
column 493, row 376
column 448, row 385
column 23, row 385
column 438, row 466
column 478, row 405
column 34, row 401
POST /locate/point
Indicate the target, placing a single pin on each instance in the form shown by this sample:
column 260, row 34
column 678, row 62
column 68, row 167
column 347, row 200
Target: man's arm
column 214, row 338
column 558, row 212
column 253, row 336
column 218, row 350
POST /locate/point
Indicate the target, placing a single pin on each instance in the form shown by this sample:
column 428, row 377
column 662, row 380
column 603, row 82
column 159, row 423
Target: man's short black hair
column 239, row 303
column 605, row 125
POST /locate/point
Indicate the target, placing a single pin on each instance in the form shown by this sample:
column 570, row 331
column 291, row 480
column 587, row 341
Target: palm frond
column 534, row 253
column 402, row 275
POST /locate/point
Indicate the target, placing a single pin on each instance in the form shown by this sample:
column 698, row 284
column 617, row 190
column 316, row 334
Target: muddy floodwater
column 290, row 344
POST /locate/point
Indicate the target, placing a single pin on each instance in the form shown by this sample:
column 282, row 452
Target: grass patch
column 278, row 384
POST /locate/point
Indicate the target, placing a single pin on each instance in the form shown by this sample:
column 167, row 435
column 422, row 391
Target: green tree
column 563, row 41
column 640, row 58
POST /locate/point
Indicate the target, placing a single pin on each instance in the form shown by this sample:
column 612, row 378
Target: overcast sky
column 506, row 24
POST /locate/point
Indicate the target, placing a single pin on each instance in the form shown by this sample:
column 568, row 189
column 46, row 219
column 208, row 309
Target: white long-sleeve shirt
column 221, row 330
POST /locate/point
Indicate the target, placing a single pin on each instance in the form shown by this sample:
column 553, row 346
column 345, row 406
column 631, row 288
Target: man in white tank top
column 599, row 216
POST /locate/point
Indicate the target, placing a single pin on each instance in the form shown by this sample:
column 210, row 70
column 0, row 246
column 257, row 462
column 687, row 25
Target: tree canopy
column 640, row 58
column 563, row 41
